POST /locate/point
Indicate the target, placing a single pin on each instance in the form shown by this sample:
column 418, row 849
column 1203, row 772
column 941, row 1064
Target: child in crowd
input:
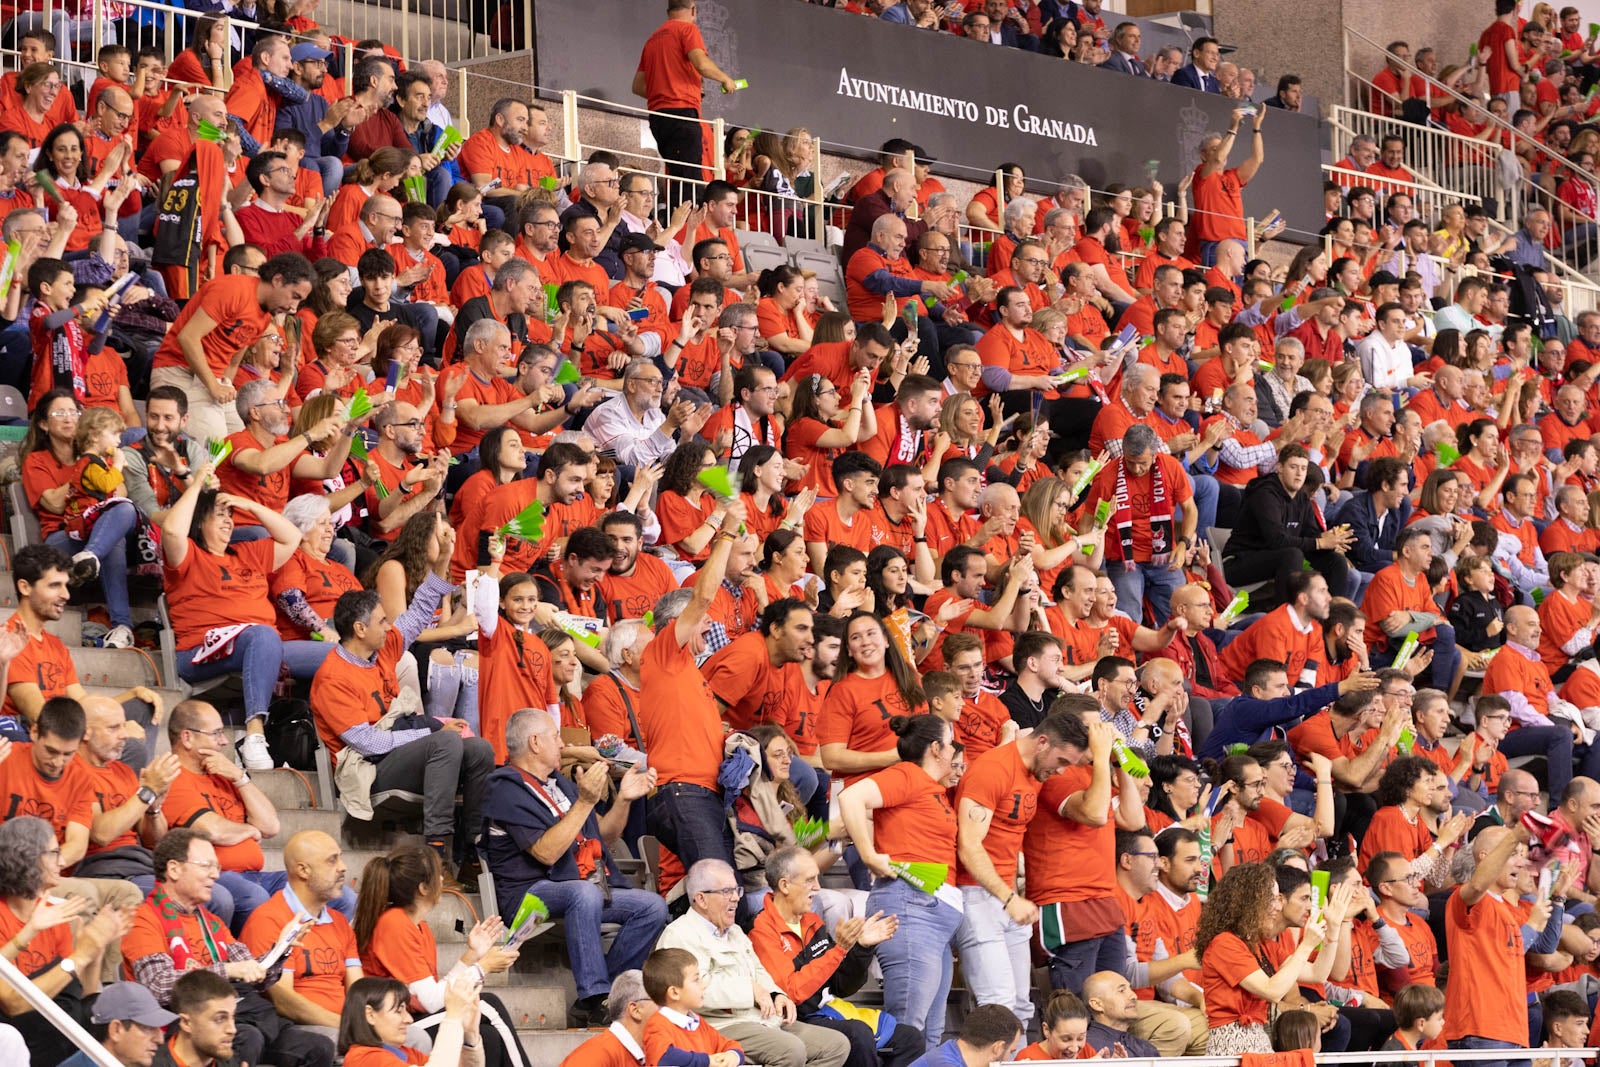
column 675, row 1036
column 1418, row 1017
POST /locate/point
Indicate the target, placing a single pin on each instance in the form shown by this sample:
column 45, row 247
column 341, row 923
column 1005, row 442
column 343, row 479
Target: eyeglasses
column 413, row 424
column 642, row 380
column 554, row 224
column 221, row 732
column 963, row 366
column 212, row 868
column 66, row 416
column 730, row 891
column 1411, row 879
column 724, row 258
column 1143, row 855
column 279, row 403
column 608, row 181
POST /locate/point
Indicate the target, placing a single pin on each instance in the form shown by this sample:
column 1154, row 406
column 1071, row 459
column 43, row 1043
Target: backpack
column 292, row 734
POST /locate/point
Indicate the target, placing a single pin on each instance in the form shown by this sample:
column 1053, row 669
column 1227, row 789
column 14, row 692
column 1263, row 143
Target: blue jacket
column 1189, row 77
column 1373, row 550
column 1247, row 720
column 514, row 818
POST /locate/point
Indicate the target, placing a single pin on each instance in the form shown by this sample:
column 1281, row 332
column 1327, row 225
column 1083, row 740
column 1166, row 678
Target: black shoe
column 467, row 874
column 588, row 1013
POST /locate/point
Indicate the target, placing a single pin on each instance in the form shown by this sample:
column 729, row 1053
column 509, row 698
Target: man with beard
column 205, row 1003
column 1344, row 733
column 994, row 803
column 326, row 126
column 373, row 86
column 950, row 516
column 1175, row 908
column 264, row 461
column 735, row 608
column 410, row 483
column 572, row 583
column 413, row 97
column 156, row 467
column 635, row 579
column 562, row 471
column 497, row 151
column 1037, row 657
column 325, row 960
column 807, row 688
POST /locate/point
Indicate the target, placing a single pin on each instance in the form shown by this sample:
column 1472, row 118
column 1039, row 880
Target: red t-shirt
column 670, row 79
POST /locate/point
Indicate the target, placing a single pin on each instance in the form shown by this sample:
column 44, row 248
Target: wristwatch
column 69, row 965
column 146, row 795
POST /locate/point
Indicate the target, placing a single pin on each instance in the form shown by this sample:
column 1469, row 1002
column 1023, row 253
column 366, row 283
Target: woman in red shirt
column 688, row 511
column 816, row 433
column 1239, row 981
column 205, row 61
column 1484, row 462
column 902, row 814
column 398, row 891
column 373, row 1024
column 62, row 157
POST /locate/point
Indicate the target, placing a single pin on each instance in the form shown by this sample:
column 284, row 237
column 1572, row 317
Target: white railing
column 52, row 1012
column 1443, row 161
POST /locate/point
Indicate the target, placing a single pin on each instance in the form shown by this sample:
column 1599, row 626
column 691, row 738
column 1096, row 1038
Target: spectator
column 1218, row 188
column 1114, row 1012
column 1289, row 95
column 173, row 934
column 739, row 992
column 542, row 836
column 988, row 1034
column 207, row 1030
column 127, row 1022
column 398, row 891
column 65, row 967
column 1480, row 925
column 434, row 754
column 676, row 1032
column 819, row 963
column 901, row 815
column 377, row 1014
column 633, row 425
column 121, row 834
column 1200, row 72
column 1279, row 530
column 325, row 962
column 672, row 66
column 628, row 1008
column 498, row 150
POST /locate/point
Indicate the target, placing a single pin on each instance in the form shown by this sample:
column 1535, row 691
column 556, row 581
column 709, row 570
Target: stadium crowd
column 1092, row 599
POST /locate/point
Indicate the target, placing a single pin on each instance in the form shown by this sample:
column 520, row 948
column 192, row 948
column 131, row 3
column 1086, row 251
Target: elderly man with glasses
column 633, row 427
column 742, row 1001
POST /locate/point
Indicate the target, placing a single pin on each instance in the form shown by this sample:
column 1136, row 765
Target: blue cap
column 306, row 50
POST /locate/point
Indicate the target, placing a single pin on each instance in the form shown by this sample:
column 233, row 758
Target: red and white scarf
column 1160, row 517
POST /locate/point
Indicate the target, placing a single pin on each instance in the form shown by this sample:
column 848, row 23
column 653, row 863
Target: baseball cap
column 129, row 1002
column 306, row 50
column 638, row 242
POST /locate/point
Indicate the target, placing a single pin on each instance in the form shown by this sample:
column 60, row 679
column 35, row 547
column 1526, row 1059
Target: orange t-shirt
column 1140, row 493
column 514, row 165
column 113, row 785
column 193, row 795
column 319, row 960
column 44, row 661
column 741, row 676
column 679, row 519
column 630, row 597
column 1494, row 1003
column 514, row 673
column 24, row 791
column 270, row 490
column 41, row 951
column 678, row 713
column 1510, row 671
column 230, row 302
column 916, row 822
column 1560, row 618
column 999, row 781
column 149, row 938
column 856, row 714
column 1219, row 205
column 323, row 583
column 1068, row 862
column 382, row 1056
column 823, row 525
column 662, row 1036
column 1030, row 355
column 207, row 591
column 982, row 719
column 670, row 79
column 1227, row 962
column 1276, row 637
column 1391, row 831
column 400, row 949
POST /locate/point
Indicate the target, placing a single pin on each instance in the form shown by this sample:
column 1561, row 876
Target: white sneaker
column 119, row 637
column 253, row 751
column 85, row 569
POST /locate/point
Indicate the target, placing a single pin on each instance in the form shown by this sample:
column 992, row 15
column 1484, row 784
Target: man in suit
column 1201, row 70
column 1125, row 51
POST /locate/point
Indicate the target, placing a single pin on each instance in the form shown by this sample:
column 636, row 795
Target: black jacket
column 1372, row 551
column 1270, row 519
column 1471, row 613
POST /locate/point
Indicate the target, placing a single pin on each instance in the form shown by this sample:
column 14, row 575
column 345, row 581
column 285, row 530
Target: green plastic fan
column 1238, row 748
column 1079, row 373
column 219, row 451
column 210, row 131
column 928, row 877
column 1102, row 514
column 527, row 524
column 649, row 620
column 809, row 833
column 359, row 453
column 1408, row 647
column 720, row 481
column 1235, row 608
column 360, row 405
column 1088, row 475
column 8, row 269
column 48, row 184
column 549, row 183
column 1447, row 453
column 1147, row 234
column 530, row 913
column 1129, row 760
column 567, row 373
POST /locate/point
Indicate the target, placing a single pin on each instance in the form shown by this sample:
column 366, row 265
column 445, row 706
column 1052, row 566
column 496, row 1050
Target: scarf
column 1160, row 517
column 587, row 855
column 172, row 929
column 907, row 443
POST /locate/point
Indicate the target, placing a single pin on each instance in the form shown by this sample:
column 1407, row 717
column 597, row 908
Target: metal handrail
column 1412, row 70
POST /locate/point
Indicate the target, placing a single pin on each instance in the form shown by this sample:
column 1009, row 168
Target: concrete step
column 115, row 668
column 287, row 791
column 548, row 1048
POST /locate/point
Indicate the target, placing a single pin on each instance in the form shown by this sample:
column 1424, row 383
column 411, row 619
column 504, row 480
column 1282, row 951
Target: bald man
column 1483, row 924
column 1113, row 1011
column 1519, row 676
column 126, row 806
column 325, row 960
column 1160, row 676
column 1517, row 793
column 1579, row 815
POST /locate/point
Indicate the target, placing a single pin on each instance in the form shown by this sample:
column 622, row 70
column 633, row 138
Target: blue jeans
column 1554, row 743
column 1487, row 1042
column 330, row 168
column 914, row 988
column 257, row 654
column 1205, row 505
column 1072, row 963
column 643, row 916
column 813, row 784
column 691, row 821
column 1146, row 581
column 108, row 541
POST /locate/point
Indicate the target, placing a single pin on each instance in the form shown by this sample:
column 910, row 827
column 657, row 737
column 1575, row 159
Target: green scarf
column 172, row 929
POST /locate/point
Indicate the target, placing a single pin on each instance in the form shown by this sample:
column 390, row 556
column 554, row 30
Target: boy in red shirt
column 675, row 1036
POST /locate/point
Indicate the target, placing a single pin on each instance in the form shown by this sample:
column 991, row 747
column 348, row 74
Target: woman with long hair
column 832, row 326
column 205, row 61
column 889, row 579
column 418, row 386
column 689, row 512
column 402, row 568
column 820, row 428
column 398, row 891
column 565, row 669
column 1046, row 505
column 902, row 814
column 768, row 809
column 780, row 313
column 1240, row 980
column 501, row 460
column 460, row 219
column 961, row 420
column 515, row 666
column 872, row 683
column 380, row 172
column 761, row 484
column 1059, row 39
column 330, row 293
column 377, row 1014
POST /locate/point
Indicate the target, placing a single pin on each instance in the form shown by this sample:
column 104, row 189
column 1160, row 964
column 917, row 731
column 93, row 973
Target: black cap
column 638, row 242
